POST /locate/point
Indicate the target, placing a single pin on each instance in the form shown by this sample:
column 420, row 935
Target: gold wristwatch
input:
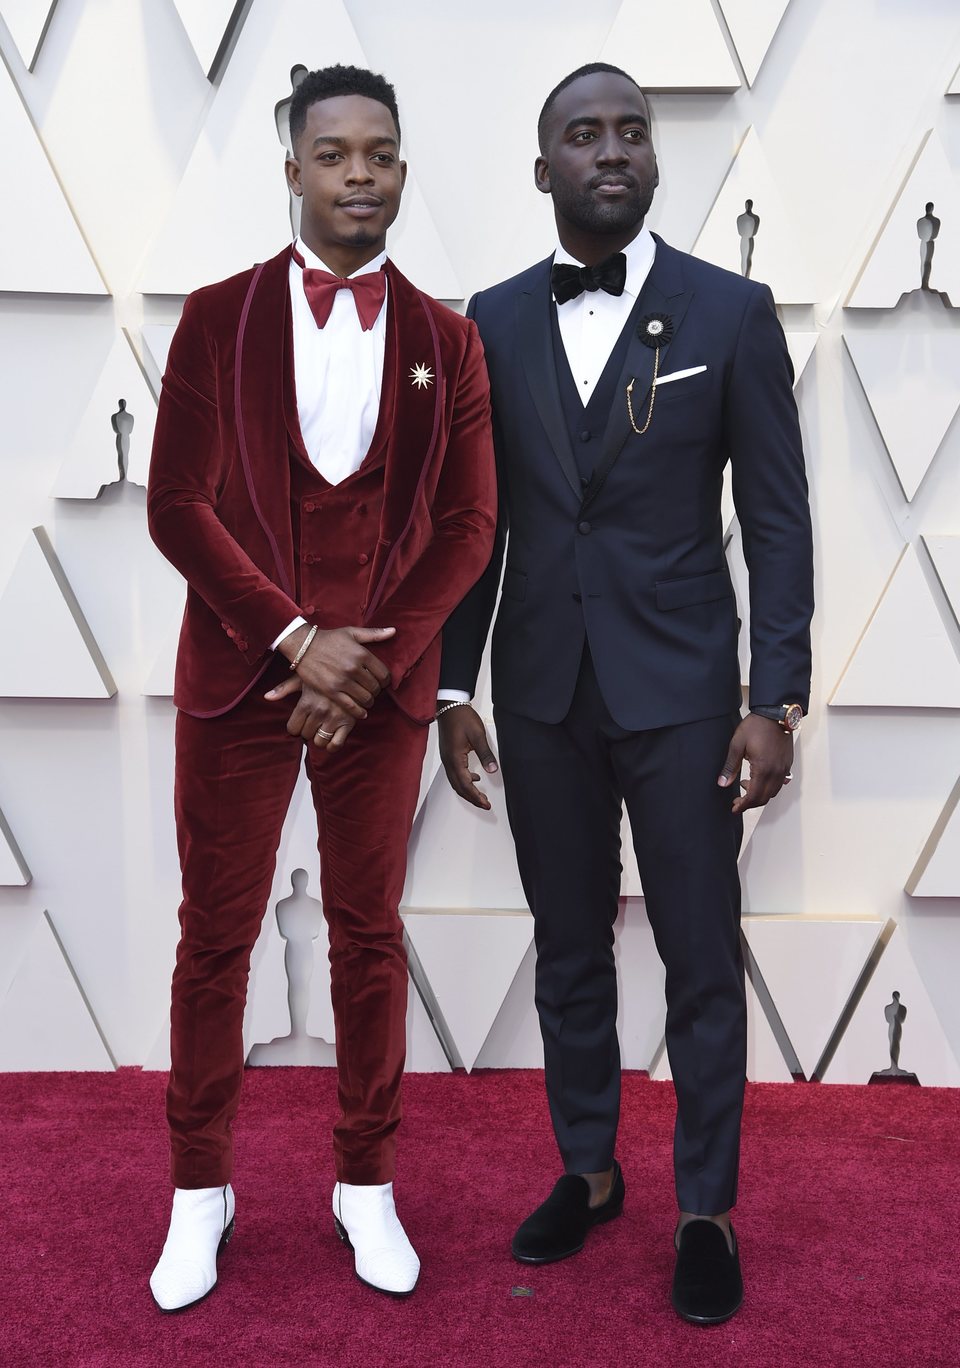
column 788, row 715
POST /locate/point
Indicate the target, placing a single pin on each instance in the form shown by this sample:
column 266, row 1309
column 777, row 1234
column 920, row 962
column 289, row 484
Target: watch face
column 793, row 717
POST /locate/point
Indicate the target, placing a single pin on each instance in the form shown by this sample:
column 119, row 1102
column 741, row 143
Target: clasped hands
column 338, row 680
column 758, row 740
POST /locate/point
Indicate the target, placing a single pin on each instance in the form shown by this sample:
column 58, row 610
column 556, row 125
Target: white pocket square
column 679, row 375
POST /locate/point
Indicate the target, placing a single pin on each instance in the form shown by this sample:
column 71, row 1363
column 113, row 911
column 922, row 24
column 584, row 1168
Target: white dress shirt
column 591, row 324
column 589, row 328
column 338, row 371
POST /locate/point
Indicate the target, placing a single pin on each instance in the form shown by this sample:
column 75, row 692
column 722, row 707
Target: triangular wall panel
column 954, row 87
column 912, row 382
column 232, row 208
column 752, row 25
column 45, row 1021
column 41, row 247
column 801, row 346
column 675, row 46
column 864, row 1047
column 156, row 344
column 904, row 659
column 50, row 650
column 778, row 258
column 206, row 23
column 470, row 960
column 945, row 555
column 159, row 682
column 937, row 872
column 93, row 461
column 13, row 867
column 895, row 264
column 28, row 21
column 810, row 966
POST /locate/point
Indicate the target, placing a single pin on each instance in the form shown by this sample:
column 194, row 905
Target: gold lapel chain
column 656, row 331
column 653, row 395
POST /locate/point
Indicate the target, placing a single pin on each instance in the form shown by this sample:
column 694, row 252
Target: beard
column 580, row 206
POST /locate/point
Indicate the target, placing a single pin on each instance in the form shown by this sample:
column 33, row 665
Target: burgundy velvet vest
column 335, row 527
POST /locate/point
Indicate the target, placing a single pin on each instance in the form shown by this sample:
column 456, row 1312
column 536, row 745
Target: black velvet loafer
column 707, row 1286
column 560, row 1226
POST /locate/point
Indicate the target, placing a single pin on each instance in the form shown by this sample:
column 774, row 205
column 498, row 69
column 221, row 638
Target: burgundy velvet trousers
column 235, row 776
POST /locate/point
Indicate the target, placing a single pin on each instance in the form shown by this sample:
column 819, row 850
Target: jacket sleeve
column 465, row 633
column 188, row 469
column 464, row 521
column 763, row 440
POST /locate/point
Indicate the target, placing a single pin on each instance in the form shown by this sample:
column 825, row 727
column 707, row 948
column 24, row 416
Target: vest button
column 309, row 609
column 241, row 643
column 585, row 436
column 310, row 558
column 361, row 508
column 309, row 506
column 584, row 528
column 363, row 558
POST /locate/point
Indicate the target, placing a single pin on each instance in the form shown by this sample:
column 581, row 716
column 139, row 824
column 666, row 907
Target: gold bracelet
column 303, row 647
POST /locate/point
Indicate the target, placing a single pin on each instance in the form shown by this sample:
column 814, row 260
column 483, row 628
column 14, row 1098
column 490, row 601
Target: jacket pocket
column 683, row 593
column 514, row 584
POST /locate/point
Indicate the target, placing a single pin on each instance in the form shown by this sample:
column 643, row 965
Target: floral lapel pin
column 655, row 331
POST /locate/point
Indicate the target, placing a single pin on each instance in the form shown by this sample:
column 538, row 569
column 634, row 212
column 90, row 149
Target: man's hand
column 338, row 680
column 462, row 731
column 769, row 749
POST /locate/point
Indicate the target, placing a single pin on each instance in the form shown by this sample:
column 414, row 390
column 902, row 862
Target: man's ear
column 292, row 169
column 403, row 175
column 656, row 173
column 541, row 175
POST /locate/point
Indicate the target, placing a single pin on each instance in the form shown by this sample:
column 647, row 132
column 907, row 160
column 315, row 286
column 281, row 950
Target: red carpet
column 849, row 1224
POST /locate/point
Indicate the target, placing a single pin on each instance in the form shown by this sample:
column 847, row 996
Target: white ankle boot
column 200, row 1226
column 366, row 1221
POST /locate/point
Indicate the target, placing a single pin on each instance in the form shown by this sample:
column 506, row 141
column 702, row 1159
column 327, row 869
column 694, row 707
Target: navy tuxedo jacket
column 636, row 563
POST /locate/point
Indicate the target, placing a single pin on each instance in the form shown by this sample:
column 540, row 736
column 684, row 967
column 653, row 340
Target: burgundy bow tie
column 320, row 287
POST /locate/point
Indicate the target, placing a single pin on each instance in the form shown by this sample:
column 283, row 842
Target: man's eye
column 584, row 135
column 637, row 134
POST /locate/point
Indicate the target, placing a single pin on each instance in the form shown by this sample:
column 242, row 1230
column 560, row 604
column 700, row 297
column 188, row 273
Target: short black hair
column 331, row 81
column 591, row 69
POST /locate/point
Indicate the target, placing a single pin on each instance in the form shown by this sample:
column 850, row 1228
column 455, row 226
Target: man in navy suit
column 625, row 375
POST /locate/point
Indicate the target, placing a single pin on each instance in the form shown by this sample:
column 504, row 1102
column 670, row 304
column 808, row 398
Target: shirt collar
column 639, row 253
column 315, row 264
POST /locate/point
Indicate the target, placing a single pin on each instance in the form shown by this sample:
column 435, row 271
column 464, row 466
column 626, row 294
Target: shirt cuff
column 452, row 696
column 297, row 622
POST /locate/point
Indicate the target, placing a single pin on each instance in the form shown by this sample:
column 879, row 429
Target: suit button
column 584, row 436
column 231, row 633
column 310, row 558
column 361, row 508
column 309, row 506
column 584, row 528
column 241, row 644
column 577, row 598
column 363, row 558
column 309, row 609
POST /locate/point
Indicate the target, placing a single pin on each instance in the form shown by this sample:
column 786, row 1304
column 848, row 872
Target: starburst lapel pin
column 421, row 376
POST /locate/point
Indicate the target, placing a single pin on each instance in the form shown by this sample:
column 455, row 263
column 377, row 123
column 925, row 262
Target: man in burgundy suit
column 323, row 479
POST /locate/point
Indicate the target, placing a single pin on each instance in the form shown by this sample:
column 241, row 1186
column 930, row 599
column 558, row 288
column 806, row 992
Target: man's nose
column 358, row 169
column 611, row 151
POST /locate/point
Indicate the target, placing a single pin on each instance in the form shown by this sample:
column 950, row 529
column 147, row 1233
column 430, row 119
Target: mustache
column 618, row 178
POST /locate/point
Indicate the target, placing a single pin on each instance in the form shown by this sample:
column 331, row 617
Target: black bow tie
column 568, row 281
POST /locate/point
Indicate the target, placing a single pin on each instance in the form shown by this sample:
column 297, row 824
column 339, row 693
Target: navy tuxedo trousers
column 565, row 784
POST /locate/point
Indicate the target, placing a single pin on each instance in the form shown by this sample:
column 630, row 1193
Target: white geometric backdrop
column 141, row 156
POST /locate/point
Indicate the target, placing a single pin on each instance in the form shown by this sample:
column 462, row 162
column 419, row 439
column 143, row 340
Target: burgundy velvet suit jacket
column 218, row 502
